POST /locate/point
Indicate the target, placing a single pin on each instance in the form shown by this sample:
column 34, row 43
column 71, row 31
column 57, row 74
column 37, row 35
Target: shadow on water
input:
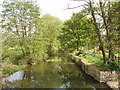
column 51, row 75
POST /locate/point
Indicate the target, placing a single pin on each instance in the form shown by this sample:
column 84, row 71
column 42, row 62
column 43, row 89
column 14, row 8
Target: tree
column 115, row 14
column 107, row 10
column 97, row 31
column 77, row 31
column 18, row 24
column 102, row 12
column 51, row 30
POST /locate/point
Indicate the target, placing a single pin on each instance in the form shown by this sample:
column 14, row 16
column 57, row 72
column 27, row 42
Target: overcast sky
column 56, row 8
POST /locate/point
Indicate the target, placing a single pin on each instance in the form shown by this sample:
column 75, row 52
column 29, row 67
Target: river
column 51, row 75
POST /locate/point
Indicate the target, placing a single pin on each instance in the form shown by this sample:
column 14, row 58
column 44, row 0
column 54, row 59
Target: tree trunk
column 107, row 24
column 17, row 32
column 98, row 32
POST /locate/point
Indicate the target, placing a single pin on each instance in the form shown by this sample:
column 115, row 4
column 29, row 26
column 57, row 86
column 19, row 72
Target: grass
column 9, row 68
column 96, row 60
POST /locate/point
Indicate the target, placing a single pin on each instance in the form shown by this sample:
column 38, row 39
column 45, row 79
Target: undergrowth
column 96, row 60
column 9, row 68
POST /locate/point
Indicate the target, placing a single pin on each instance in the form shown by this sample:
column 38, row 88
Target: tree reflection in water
column 54, row 75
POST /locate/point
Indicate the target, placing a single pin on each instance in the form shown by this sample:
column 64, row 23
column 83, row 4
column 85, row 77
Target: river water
column 51, row 75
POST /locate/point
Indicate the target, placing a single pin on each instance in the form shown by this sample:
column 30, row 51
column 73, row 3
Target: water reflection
column 51, row 75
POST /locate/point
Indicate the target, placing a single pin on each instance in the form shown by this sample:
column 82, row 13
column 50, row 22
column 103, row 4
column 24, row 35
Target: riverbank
column 9, row 68
column 52, row 75
column 95, row 72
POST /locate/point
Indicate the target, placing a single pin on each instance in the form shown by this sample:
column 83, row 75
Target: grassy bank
column 96, row 60
column 9, row 68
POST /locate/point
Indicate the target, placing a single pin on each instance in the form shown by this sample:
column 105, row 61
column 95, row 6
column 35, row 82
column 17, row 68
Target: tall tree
column 51, row 30
column 77, row 31
column 97, row 30
column 101, row 12
column 18, row 24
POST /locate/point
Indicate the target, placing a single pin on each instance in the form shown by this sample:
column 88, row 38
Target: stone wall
column 113, row 84
column 101, row 76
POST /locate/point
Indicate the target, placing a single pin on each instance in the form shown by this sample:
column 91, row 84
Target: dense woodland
column 28, row 35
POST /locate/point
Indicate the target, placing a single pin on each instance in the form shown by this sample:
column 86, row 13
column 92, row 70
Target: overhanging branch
column 72, row 7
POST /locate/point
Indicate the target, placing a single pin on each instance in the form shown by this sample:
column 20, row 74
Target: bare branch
column 76, row 7
column 78, row 0
column 72, row 7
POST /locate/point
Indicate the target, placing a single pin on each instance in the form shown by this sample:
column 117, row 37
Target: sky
column 56, row 8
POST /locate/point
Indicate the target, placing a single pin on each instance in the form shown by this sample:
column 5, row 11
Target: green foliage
column 114, row 65
column 77, row 31
column 115, row 14
column 52, row 29
column 78, row 53
column 7, row 71
column 18, row 24
column 25, row 33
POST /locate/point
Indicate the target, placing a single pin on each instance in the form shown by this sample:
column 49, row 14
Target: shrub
column 114, row 65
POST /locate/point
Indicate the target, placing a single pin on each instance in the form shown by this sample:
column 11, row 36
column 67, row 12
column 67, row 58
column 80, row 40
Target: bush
column 18, row 58
column 114, row 65
column 77, row 53
column 7, row 70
